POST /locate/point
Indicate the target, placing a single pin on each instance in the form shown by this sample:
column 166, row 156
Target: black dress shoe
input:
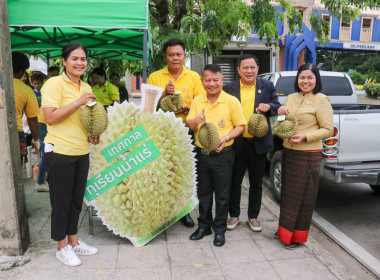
column 219, row 239
column 200, row 233
column 187, row 221
column 293, row 245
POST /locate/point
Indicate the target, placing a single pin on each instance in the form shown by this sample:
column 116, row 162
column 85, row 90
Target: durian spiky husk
column 258, row 125
column 171, row 103
column 94, row 119
column 286, row 128
column 157, row 195
column 208, row 136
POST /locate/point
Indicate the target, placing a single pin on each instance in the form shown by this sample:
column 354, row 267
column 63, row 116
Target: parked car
column 352, row 153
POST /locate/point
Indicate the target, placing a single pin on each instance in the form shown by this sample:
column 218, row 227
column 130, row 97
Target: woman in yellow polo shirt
column 105, row 92
column 67, row 148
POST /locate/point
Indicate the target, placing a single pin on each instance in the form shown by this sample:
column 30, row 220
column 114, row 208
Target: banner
column 142, row 174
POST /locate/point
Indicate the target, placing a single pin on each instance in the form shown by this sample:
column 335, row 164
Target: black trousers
column 214, row 175
column 67, row 177
column 256, row 167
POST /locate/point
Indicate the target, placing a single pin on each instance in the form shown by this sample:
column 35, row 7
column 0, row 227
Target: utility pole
column 14, row 230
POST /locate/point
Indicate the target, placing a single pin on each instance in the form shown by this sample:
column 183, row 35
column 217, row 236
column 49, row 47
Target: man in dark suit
column 256, row 96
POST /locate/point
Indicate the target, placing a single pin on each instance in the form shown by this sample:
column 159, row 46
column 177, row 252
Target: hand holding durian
column 262, row 108
column 172, row 103
column 286, row 129
column 258, row 125
column 208, row 135
column 95, row 120
column 85, row 98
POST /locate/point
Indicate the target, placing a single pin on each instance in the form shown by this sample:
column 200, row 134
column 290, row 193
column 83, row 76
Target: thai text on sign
column 124, row 167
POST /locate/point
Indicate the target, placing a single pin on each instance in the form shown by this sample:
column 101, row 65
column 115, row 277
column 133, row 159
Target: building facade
column 359, row 35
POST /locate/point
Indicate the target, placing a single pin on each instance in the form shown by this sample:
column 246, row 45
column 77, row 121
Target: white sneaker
column 68, row 256
column 42, row 188
column 83, row 249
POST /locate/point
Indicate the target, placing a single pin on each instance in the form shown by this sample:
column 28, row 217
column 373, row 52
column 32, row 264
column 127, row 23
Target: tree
column 210, row 24
column 359, row 65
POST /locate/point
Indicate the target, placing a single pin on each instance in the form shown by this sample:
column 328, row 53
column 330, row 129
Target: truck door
column 359, row 134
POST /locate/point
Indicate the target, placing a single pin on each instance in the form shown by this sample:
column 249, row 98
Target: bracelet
column 76, row 105
column 227, row 138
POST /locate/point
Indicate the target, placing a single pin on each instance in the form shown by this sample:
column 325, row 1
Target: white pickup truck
column 352, row 154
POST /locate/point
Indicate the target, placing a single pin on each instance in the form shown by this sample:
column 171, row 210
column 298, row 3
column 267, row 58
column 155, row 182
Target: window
column 331, row 86
column 345, row 23
column 326, row 18
column 366, row 22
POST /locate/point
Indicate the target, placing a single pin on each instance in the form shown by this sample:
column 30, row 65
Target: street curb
column 354, row 249
column 349, row 245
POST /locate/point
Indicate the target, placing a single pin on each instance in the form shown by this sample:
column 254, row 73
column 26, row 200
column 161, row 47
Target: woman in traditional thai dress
column 302, row 155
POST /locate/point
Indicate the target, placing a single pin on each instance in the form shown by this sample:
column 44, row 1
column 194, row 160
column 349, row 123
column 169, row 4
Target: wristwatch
column 227, row 138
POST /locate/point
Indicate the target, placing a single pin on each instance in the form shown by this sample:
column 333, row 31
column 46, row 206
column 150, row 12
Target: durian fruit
column 286, row 128
column 171, row 103
column 147, row 202
column 94, row 119
column 258, row 125
column 208, row 136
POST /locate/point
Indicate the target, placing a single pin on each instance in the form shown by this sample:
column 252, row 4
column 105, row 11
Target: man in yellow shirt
column 25, row 99
column 214, row 169
column 256, row 96
column 177, row 79
column 105, row 92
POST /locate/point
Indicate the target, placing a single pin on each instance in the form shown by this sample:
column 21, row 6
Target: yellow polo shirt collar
column 185, row 71
column 247, row 100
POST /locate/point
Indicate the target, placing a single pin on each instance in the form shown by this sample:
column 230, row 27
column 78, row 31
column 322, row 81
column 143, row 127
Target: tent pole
column 145, row 44
column 150, row 61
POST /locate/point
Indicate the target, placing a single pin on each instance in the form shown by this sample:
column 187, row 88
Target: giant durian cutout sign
column 142, row 174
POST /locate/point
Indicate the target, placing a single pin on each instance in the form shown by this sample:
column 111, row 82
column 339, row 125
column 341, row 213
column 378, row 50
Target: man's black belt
column 248, row 140
column 212, row 153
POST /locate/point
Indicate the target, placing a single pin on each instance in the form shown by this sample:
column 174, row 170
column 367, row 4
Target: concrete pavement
column 171, row 255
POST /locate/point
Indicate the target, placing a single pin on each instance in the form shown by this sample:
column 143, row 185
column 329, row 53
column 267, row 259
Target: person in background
column 256, row 96
column 67, row 147
column 214, row 169
column 25, row 101
column 302, row 155
column 37, row 82
column 123, row 92
column 26, row 80
column 105, row 92
column 90, row 79
column 53, row 71
column 37, row 79
column 176, row 78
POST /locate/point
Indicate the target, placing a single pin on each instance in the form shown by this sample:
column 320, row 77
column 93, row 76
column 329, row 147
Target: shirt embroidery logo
column 221, row 124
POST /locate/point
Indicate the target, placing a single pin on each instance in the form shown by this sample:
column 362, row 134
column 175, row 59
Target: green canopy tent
column 113, row 29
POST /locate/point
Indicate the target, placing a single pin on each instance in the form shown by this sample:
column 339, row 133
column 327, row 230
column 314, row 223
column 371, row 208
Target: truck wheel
column 276, row 174
column 375, row 188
